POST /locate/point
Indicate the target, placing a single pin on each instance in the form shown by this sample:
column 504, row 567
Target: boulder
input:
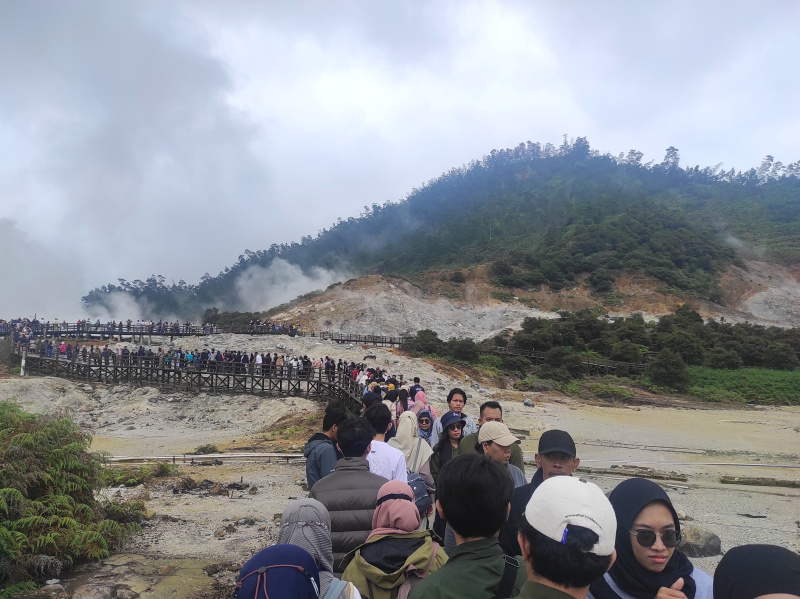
column 697, row 541
column 529, row 403
column 105, row 590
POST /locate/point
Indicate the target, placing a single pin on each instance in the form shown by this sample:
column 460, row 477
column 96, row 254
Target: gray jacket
column 349, row 494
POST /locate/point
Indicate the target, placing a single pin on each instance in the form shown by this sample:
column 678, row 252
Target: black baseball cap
column 556, row 440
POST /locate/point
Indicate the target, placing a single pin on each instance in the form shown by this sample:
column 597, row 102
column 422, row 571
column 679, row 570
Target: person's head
column 402, row 397
column 379, row 417
column 425, row 420
column 568, row 532
column 395, row 510
column 491, row 411
column 334, row 416
column 649, row 530
column 452, row 425
column 496, row 440
column 456, row 400
column 473, row 495
column 307, row 524
column 354, row 437
column 280, row 571
column 556, row 455
column 758, row 572
column 416, row 380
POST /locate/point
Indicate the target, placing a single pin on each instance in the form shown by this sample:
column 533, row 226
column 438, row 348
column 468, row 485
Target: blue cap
column 449, row 418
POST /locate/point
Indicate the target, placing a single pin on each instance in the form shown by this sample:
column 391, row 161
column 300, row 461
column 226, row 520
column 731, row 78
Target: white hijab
column 416, row 450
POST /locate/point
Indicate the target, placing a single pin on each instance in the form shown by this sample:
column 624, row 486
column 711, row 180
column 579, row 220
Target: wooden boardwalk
column 227, row 378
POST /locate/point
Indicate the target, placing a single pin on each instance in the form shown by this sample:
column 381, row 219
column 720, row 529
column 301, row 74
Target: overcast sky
column 141, row 138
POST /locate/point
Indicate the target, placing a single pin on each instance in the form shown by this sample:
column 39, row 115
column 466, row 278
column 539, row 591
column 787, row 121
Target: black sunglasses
column 647, row 538
column 424, row 420
column 458, row 425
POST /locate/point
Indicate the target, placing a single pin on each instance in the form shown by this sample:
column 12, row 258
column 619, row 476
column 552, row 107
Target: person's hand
column 673, row 592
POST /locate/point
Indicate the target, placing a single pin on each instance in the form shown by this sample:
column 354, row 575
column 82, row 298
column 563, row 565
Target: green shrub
column 609, row 391
column 462, row 349
column 533, row 383
column 458, row 277
column 751, row 385
column 503, row 296
column 48, row 481
column 424, row 342
column 207, row 448
column 669, row 370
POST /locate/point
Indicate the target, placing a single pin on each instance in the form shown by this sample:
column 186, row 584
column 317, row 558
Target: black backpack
column 422, row 499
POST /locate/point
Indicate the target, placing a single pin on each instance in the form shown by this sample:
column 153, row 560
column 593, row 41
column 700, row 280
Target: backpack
column 279, row 571
column 335, row 589
column 422, row 499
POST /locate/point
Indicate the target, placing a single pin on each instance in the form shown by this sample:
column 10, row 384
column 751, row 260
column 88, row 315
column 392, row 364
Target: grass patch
column 746, row 385
column 503, row 296
column 533, row 383
column 609, row 391
column 132, row 476
column 207, row 448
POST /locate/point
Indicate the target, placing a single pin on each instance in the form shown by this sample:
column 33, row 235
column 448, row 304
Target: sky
column 141, row 138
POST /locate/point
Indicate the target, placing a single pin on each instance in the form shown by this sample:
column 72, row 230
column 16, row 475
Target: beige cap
column 497, row 432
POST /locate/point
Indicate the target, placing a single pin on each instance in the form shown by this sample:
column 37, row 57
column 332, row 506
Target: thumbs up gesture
column 673, row 592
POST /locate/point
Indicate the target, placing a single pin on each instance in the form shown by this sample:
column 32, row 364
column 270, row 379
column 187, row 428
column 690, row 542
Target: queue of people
column 553, row 536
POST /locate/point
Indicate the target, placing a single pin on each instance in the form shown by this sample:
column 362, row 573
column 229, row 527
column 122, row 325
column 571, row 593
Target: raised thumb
column 677, row 585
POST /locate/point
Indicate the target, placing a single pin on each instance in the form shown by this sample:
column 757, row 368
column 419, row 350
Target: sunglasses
column 457, row 425
column 424, row 420
column 647, row 538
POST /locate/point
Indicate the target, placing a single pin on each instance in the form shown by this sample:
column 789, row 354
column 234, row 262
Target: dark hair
column 569, row 564
column 379, row 417
column 416, row 379
column 402, row 397
column 456, row 391
column 333, row 415
column 474, row 493
column 354, row 436
column 493, row 405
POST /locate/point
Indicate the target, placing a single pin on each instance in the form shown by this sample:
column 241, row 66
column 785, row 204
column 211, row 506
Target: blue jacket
column 321, row 458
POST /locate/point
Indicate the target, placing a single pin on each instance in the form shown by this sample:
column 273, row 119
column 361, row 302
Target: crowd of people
column 25, row 329
column 405, row 504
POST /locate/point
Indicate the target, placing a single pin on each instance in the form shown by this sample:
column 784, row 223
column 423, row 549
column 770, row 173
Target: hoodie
column 389, row 565
column 321, row 457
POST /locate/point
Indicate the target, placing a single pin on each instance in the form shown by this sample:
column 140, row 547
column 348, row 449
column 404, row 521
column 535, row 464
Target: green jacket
column 473, row 571
column 468, row 443
column 536, row 590
column 381, row 565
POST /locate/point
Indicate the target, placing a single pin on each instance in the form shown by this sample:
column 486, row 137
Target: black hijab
column 628, row 499
column 750, row 571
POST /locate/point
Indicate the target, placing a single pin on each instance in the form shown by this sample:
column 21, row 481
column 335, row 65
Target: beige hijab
column 416, row 450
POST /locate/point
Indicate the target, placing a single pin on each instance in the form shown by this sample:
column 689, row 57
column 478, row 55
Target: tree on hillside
column 669, row 370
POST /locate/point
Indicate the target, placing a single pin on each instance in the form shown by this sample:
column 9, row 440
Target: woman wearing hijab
column 421, row 403
column 648, row 563
column 425, row 426
column 279, row 571
column 417, row 453
column 307, row 524
column 758, row 571
column 396, row 555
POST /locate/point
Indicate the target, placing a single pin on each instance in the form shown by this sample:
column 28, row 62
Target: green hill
column 541, row 215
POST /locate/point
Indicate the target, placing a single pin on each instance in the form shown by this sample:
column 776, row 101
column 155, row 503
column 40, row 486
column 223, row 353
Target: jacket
column 394, row 563
column 473, row 571
column 349, row 494
column 321, row 457
column 519, row 501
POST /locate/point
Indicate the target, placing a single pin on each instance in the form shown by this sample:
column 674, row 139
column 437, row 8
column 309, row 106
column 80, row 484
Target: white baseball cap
column 563, row 500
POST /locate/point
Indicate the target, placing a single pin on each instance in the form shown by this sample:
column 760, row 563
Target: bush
column 458, row 277
column 462, row 349
column 47, row 495
column 424, row 342
column 609, row 391
column 669, row 370
column 751, row 385
column 625, row 351
column 723, row 358
column 533, row 383
column 563, row 365
column 207, row 448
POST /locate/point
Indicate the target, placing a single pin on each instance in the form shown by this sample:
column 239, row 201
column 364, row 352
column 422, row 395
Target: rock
column 219, row 533
column 529, row 403
column 217, row 489
column 230, row 528
column 252, row 490
column 246, row 521
column 130, row 428
column 148, row 514
column 105, row 590
column 166, row 570
column 681, row 514
column 52, row 581
column 262, row 528
column 277, row 518
column 697, row 541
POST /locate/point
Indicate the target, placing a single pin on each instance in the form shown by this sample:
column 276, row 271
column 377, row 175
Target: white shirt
column 387, row 461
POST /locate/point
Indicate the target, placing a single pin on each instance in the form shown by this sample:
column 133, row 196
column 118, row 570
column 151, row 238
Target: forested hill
column 542, row 215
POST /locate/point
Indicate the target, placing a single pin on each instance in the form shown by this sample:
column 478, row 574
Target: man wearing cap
column 491, row 411
column 456, row 400
column 556, row 456
column 567, row 539
column 496, row 441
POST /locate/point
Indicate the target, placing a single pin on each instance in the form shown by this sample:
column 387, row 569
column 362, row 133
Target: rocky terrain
column 205, row 521
column 762, row 293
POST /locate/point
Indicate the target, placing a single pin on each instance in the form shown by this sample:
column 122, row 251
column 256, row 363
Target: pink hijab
column 421, row 403
column 396, row 512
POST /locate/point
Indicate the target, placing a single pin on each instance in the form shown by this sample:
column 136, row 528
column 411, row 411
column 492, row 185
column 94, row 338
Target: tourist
column 425, row 425
column 279, row 571
column 416, row 451
column 495, row 441
column 307, row 524
column 320, row 450
column 396, row 555
column 384, row 460
column 415, row 388
column 448, row 443
column 473, row 495
column 491, row 411
column 567, row 538
column 556, row 456
column 648, row 561
column 350, row 492
column 456, row 400
column 421, row 403
column 758, row 572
